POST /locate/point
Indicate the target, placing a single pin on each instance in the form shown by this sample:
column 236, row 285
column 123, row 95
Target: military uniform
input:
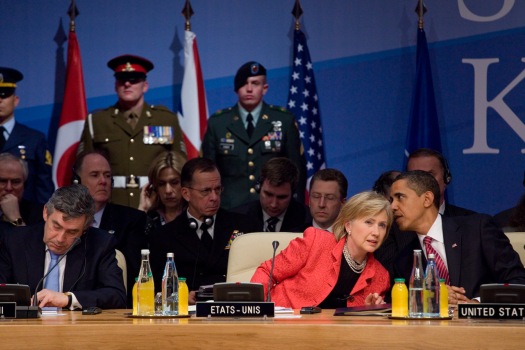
column 131, row 150
column 240, row 158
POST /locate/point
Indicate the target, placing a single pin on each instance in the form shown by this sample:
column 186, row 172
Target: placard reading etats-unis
column 234, row 309
column 492, row 311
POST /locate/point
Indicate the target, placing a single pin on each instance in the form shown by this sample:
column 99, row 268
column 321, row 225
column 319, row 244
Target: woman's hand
column 374, row 299
column 147, row 198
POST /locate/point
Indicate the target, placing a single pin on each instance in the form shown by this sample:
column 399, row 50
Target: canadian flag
column 72, row 117
column 193, row 112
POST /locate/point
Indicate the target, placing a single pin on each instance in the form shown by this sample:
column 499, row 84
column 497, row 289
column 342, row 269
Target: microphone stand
column 275, row 245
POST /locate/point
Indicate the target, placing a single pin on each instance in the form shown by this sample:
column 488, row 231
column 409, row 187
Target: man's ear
column 428, row 199
column 44, row 213
column 185, row 192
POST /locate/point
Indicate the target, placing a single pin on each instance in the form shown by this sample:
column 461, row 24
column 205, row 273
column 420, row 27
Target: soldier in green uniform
column 131, row 133
column 240, row 139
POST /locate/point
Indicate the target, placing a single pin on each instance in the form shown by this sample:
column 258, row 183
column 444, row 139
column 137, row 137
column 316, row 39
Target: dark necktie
column 442, row 269
column 206, row 239
column 271, row 224
column 250, row 127
column 2, row 138
column 133, row 120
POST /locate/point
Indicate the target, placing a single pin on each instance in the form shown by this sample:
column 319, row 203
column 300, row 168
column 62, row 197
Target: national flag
column 193, row 112
column 303, row 102
column 423, row 127
column 73, row 115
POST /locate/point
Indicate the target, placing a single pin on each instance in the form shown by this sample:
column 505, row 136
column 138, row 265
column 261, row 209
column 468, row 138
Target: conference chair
column 517, row 239
column 121, row 262
column 248, row 251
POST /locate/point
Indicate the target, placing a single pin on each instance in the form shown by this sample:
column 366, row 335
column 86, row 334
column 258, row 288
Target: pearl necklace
column 354, row 265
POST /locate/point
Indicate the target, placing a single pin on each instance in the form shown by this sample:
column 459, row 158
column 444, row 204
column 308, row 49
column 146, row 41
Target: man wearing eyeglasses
column 14, row 209
column 23, row 142
column 201, row 235
column 328, row 191
column 132, row 132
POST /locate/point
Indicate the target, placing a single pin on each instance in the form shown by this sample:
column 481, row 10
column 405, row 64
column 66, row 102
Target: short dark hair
column 385, row 181
column 428, row 152
column 73, row 201
column 332, row 175
column 203, row 165
column 278, row 171
column 420, row 181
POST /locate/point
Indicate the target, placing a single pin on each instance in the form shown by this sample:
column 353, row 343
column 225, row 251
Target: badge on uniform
column 22, row 150
column 276, row 134
column 158, row 135
column 227, row 144
column 235, row 234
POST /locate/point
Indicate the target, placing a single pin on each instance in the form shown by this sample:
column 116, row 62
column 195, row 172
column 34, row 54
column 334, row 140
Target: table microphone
column 75, row 243
column 275, row 245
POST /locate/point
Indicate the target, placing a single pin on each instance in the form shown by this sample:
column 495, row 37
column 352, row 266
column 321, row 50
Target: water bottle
column 170, row 288
column 183, row 296
column 415, row 287
column 399, row 298
column 431, row 291
column 443, row 298
column 145, row 287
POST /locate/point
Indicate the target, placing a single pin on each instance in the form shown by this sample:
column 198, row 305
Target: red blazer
column 307, row 271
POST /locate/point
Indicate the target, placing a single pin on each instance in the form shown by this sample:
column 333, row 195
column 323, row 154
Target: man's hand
column 192, row 298
column 456, row 295
column 51, row 298
column 10, row 207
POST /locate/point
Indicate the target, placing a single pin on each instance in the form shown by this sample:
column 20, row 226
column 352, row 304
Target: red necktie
column 442, row 269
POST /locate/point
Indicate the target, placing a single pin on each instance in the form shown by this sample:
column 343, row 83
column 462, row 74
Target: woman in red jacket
column 334, row 270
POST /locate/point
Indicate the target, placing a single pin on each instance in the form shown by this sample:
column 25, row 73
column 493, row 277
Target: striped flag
column 193, row 112
column 72, row 117
column 303, row 102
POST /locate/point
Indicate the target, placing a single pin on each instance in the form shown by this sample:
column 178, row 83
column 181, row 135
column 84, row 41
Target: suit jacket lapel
column 75, row 261
column 187, row 237
column 236, row 127
column 452, row 240
column 35, row 256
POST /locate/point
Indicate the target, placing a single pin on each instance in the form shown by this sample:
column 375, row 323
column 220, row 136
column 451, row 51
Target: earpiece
column 447, row 176
column 258, row 185
column 75, row 179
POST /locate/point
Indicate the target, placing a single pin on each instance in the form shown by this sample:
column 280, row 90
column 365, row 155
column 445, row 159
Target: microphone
column 75, row 243
column 275, row 245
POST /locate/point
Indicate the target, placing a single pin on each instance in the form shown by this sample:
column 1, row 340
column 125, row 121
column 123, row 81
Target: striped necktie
column 442, row 269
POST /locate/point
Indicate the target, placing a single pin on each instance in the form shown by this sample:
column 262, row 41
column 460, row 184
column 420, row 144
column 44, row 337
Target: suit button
column 131, row 158
column 131, row 194
column 251, row 177
column 132, row 140
column 252, row 190
column 250, row 164
column 250, row 151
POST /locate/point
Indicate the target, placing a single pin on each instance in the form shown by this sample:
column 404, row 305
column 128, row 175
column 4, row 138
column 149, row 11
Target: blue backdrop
column 364, row 60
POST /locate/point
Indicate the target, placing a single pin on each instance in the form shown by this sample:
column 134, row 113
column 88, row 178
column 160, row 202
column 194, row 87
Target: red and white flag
column 72, row 117
column 193, row 111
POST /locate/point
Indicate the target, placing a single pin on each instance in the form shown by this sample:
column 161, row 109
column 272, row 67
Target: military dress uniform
column 131, row 150
column 241, row 158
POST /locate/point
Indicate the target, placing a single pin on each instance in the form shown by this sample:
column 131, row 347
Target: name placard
column 492, row 311
column 234, row 309
column 7, row 310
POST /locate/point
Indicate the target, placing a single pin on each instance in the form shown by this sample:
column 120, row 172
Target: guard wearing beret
column 240, row 139
column 24, row 142
column 132, row 132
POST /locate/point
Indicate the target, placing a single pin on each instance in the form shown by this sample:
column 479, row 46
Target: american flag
column 303, row 102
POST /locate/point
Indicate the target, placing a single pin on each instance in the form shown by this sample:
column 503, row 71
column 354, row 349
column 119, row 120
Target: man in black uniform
column 131, row 133
column 240, row 139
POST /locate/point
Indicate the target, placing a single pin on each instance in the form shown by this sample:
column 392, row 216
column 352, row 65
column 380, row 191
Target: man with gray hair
column 79, row 260
column 14, row 209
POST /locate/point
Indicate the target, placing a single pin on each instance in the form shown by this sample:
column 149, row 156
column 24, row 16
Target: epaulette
column 222, row 111
column 159, row 108
column 279, row 108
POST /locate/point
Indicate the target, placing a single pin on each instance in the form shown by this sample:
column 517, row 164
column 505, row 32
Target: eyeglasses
column 207, row 191
column 15, row 183
column 327, row 197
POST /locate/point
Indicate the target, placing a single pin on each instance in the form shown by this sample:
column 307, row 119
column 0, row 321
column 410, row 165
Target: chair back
column 517, row 239
column 248, row 251
column 121, row 262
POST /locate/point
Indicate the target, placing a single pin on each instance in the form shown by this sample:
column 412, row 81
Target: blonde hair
column 165, row 160
column 362, row 205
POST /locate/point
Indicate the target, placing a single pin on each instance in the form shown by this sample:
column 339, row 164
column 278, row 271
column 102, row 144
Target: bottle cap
column 441, row 280
column 170, row 255
column 144, row 251
column 182, row 279
column 402, row 280
column 431, row 256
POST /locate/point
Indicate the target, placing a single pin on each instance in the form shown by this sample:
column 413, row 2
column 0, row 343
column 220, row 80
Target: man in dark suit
column 14, row 209
column 471, row 249
column 23, row 142
column 126, row 224
column 240, row 139
column 200, row 236
column 276, row 210
column 87, row 276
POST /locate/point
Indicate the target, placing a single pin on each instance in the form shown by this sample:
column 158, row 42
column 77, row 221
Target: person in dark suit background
column 276, row 210
column 472, row 248
column 126, row 224
column 513, row 219
column 240, row 139
column 87, row 276
column 201, row 235
column 14, row 209
column 23, row 142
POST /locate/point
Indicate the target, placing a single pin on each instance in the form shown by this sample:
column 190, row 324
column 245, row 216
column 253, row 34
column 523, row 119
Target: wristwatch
column 69, row 299
column 18, row 222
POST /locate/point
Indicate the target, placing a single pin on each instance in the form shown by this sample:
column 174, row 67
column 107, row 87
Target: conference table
column 113, row 329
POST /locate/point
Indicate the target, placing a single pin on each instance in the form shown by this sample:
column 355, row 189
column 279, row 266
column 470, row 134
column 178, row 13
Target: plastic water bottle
column 415, row 287
column 399, row 298
column 183, row 296
column 170, row 288
column 145, row 287
column 431, row 292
